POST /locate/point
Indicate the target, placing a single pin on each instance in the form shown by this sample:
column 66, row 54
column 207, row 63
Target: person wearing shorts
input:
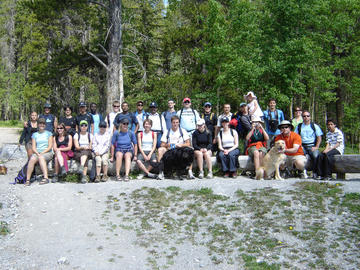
column 28, row 131
column 101, row 146
column 147, row 141
column 42, row 142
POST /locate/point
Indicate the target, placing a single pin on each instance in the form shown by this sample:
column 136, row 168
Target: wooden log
column 346, row 164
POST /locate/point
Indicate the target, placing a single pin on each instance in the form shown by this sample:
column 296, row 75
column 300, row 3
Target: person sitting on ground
column 42, row 142
column 257, row 138
column 101, row 146
column 294, row 153
column 228, row 149
column 83, row 149
column 202, row 143
column 311, row 138
column 174, row 138
column 298, row 117
column 334, row 146
column 254, row 107
column 123, row 146
column 28, row 131
column 62, row 148
column 147, row 140
column 69, row 121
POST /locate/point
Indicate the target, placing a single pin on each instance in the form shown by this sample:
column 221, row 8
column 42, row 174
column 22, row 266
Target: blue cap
column 153, row 104
column 82, row 104
column 225, row 119
column 207, row 104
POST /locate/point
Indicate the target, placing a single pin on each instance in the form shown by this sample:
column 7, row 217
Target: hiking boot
column 201, row 175
column 190, row 175
column 140, row 176
column 210, row 175
column 151, row 175
column 62, row 171
column 97, row 179
column 80, row 169
column 55, row 178
column 226, row 175
column 160, row 176
column 104, row 178
column 84, row 179
column 303, row 174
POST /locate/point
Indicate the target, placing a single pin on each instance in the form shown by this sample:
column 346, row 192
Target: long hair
column 64, row 132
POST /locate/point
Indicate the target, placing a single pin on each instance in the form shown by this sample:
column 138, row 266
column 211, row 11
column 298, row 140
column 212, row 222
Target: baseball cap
column 187, row 99
column 200, row 122
column 82, row 122
column 82, row 104
column 47, row 105
column 102, row 124
column 225, row 119
column 243, row 104
column 153, row 104
column 207, row 104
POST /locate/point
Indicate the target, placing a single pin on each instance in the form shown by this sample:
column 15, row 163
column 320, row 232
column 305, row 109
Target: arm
column 248, row 136
column 209, row 146
column 194, row 141
column 55, row 123
column 34, row 146
column 92, row 128
column 266, row 136
column 76, row 142
column 112, row 150
column 55, row 148
column 154, row 145
column 292, row 150
column 236, row 143
column 22, row 137
column 139, row 145
column 220, row 143
column 95, row 146
column 318, row 142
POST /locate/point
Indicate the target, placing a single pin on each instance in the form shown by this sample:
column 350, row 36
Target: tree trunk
column 115, row 88
column 340, row 95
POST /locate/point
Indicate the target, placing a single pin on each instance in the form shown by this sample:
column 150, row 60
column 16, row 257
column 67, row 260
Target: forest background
column 302, row 52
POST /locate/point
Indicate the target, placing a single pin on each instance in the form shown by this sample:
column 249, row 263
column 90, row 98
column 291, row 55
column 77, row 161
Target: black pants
column 325, row 162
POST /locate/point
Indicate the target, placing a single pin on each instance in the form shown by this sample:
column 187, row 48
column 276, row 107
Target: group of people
column 144, row 137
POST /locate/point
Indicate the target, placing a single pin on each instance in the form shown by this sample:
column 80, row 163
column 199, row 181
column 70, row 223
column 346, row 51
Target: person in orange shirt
column 294, row 152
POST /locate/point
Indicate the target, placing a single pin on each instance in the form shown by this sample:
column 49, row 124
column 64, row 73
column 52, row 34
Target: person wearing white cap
column 202, row 143
column 254, row 107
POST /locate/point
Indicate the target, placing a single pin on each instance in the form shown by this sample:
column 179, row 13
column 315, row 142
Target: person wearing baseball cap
column 210, row 122
column 158, row 122
column 84, row 115
column 140, row 115
column 51, row 121
column 294, row 152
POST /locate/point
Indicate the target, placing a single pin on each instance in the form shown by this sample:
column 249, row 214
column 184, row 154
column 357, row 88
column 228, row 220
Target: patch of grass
column 251, row 263
column 12, row 124
column 72, row 178
column 352, row 202
column 4, row 229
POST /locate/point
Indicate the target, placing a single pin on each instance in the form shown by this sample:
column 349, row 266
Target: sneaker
column 201, row 175
column 151, row 175
column 84, row 179
column 97, row 179
column 81, row 169
column 104, row 178
column 315, row 176
column 327, row 178
column 227, row 175
column 160, row 176
column 210, row 175
column 62, row 171
column 233, row 175
column 303, row 174
column 190, row 175
column 55, row 178
column 140, row 176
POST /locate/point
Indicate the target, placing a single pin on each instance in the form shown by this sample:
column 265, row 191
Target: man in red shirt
column 294, row 152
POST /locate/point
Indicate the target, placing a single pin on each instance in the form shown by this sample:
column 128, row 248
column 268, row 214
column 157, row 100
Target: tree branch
column 98, row 3
column 138, row 61
column 98, row 60
column 106, row 52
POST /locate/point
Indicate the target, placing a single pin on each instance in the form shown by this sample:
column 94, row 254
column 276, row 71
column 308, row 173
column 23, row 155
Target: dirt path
column 9, row 135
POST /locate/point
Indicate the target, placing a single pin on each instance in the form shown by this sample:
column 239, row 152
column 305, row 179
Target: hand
column 135, row 158
column 112, row 159
column 214, row 141
column 226, row 152
column 147, row 158
column 25, row 124
column 97, row 154
column 314, row 148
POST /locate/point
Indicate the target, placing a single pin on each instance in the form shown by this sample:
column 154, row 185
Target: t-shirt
column 110, row 121
column 188, row 118
column 292, row 139
column 84, row 139
column 147, row 141
column 96, row 118
column 42, row 140
column 308, row 136
column 70, row 123
column 175, row 136
column 280, row 117
column 87, row 117
column 167, row 116
column 140, row 117
column 158, row 122
column 335, row 137
column 49, row 121
column 123, row 140
column 227, row 140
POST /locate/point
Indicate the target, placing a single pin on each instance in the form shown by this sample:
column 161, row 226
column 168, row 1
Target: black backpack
column 273, row 123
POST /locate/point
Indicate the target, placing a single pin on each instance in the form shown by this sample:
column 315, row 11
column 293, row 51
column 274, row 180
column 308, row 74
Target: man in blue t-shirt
column 310, row 137
column 50, row 120
column 272, row 118
column 128, row 115
column 169, row 113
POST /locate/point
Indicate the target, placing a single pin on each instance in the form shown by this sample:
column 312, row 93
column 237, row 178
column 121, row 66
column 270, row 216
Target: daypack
column 273, row 123
column 231, row 132
column 21, row 177
column 239, row 128
column 142, row 134
column 312, row 125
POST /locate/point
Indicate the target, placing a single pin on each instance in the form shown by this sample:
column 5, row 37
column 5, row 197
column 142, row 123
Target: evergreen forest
column 302, row 52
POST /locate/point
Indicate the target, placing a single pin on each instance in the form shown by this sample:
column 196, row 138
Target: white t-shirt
column 227, row 139
column 147, row 141
column 175, row 137
column 156, row 124
column 84, row 139
column 110, row 120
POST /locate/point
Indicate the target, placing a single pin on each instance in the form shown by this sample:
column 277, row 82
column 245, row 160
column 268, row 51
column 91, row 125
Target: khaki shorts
column 290, row 160
column 28, row 145
column 47, row 156
column 102, row 159
column 252, row 149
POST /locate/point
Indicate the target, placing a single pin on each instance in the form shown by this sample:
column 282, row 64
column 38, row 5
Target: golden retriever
column 272, row 162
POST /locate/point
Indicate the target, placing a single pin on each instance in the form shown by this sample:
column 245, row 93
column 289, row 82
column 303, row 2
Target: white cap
column 200, row 122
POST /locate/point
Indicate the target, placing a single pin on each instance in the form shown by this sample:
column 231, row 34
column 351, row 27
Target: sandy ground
column 9, row 135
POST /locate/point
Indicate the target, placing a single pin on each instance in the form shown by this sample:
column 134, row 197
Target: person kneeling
column 101, row 146
column 202, row 143
column 123, row 146
column 83, row 145
column 257, row 138
column 147, row 141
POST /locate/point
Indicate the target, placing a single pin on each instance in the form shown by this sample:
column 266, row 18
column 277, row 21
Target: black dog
column 174, row 160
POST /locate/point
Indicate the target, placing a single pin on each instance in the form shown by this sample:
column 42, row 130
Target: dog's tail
column 259, row 173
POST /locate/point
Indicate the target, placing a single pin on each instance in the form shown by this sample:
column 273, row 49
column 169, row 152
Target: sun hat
column 250, row 93
column 286, row 123
column 256, row 118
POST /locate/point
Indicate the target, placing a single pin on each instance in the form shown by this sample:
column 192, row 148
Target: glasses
column 59, row 128
column 83, row 125
column 186, row 102
column 140, row 105
column 306, row 115
column 102, row 127
column 207, row 106
column 297, row 110
column 116, row 106
column 283, row 127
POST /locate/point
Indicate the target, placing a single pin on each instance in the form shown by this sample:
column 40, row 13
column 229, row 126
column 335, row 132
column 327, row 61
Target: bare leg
column 199, row 160
column 31, row 165
column 82, row 162
column 43, row 166
column 161, row 152
column 105, row 169
column 207, row 157
column 142, row 167
column 119, row 158
column 128, row 156
column 256, row 160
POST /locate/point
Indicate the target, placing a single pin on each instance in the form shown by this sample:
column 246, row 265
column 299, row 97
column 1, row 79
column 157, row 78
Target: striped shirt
column 335, row 137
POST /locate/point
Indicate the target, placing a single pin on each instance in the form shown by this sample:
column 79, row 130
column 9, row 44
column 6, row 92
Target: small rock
column 63, row 260
column 43, row 211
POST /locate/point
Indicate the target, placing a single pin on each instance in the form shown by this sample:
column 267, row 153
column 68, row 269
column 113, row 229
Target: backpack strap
column 162, row 130
column 108, row 119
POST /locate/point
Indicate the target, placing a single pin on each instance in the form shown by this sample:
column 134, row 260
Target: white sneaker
column 190, row 175
column 303, row 174
column 210, row 175
column 140, row 176
column 161, row 176
column 201, row 175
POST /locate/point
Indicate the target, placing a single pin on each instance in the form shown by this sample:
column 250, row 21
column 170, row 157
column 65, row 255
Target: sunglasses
column 297, row 110
column 306, row 116
column 102, row 127
column 59, row 128
column 207, row 106
column 140, row 105
column 116, row 106
column 83, row 125
column 283, row 127
column 186, row 102
column 126, row 124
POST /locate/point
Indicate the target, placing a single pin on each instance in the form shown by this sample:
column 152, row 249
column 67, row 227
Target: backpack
column 239, row 128
column 231, row 132
column 21, row 177
column 273, row 123
column 142, row 134
column 88, row 136
column 312, row 125
column 181, row 111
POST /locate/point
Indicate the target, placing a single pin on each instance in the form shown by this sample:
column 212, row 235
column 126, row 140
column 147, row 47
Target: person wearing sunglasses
column 109, row 119
column 295, row 158
column 83, row 149
column 158, row 122
column 210, row 123
column 311, row 138
column 128, row 115
column 188, row 117
column 123, row 147
column 298, row 117
column 101, row 146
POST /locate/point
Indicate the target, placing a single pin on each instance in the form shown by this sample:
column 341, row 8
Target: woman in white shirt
column 147, row 145
column 101, row 146
column 228, row 149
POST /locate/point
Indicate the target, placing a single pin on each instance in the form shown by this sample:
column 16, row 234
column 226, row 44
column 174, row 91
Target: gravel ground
column 56, row 226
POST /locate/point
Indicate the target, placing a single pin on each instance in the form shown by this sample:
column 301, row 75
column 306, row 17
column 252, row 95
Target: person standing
column 311, row 138
column 84, row 115
column 97, row 118
column 210, row 123
column 169, row 113
column 69, row 121
column 140, row 115
column 334, row 146
column 298, row 117
column 28, row 131
column 109, row 119
column 253, row 104
column 50, row 119
column 272, row 117
column 188, row 116
column 128, row 115
column 246, row 125
column 158, row 122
